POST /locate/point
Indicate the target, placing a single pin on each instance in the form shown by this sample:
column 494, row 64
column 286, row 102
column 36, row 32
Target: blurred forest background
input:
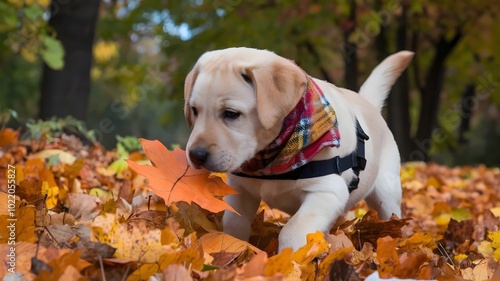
column 119, row 65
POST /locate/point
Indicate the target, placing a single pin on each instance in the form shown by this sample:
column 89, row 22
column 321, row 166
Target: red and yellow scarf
column 309, row 127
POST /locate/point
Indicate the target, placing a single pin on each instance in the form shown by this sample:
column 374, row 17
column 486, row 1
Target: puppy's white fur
column 216, row 85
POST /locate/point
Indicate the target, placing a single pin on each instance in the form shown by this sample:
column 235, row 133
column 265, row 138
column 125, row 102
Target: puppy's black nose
column 198, row 156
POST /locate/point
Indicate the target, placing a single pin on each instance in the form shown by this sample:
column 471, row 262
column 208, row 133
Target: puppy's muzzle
column 198, row 156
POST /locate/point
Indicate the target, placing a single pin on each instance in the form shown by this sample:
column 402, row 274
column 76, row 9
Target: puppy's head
column 236, row 100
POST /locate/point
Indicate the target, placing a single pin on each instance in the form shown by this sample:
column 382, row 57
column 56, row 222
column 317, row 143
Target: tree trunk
column 398, row 101
column 430, row 97
column 350, row 53
column 467, row 107
column 66, row 92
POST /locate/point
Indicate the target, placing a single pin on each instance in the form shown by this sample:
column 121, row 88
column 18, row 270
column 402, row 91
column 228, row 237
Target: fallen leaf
column 189, row 256
column 173, row 179
column 316, row 245
column 342, row 271
column 325, row 266
column 280, row 263
column 60, row 264
column 30, row 190
column 218, row 241
column 256, row 266
column 387, row 256
column 70, row 273
column 8, row 136
column 138, row 243
column 84, row 207
column 224, row 259
column 370, row 228
column 63, row 156
column 143, row 272
column 51, row 195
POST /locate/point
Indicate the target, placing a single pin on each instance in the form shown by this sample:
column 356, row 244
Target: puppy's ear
column 278, row 88
column 188, row 88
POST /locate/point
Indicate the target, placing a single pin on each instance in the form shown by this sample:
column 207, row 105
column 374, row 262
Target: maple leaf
column 174, row 180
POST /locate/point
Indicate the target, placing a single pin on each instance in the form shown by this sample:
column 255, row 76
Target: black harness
column 336, row 165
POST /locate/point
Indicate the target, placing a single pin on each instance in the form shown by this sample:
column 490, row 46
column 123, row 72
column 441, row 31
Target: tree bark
column 398, row 101
column 66, row 92
column 350, row 53
column 430, row 97
column 467, row 107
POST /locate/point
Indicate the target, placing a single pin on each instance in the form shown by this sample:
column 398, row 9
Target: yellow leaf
column 443, row 219
column 495, row 238
column 407, row 173
column 433, row 181
column 52, row 193
column 496, row 211
column 138, row 243
column 280, row 263
column 496, row 254
column 105, row 51
column 421, row 239
column 459, row 257
column 43, row 3
column 441, row 213
column 64, row 156
column 316, row 245
column 168, row 235
column 485, row 249
column 360, row 212
column 191, row 257
column 104, row 195
column 143, row 272
column 460, row 214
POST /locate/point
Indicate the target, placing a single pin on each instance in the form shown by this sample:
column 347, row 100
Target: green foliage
column 26, row 40
column 52, row 52
column 6, row 115
column 56, row 126
column 129, row 143
column 28, row 32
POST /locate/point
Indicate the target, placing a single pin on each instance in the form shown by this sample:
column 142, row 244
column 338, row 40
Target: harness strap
column 336, row 165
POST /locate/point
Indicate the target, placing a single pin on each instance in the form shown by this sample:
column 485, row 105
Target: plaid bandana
column 309, row 127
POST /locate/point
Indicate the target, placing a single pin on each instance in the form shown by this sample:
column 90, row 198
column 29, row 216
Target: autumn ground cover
column 87, row 213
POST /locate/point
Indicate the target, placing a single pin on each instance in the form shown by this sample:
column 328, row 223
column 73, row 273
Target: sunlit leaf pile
column 87, row 213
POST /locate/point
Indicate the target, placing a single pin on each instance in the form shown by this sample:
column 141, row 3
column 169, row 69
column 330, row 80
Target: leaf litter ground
column 84, row 214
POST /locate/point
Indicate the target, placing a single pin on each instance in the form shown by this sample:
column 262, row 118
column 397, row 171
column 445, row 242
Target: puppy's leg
column 386, row 195
column 246, row 205
column 323, row 202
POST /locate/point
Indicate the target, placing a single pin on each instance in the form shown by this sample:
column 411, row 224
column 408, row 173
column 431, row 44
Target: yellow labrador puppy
column 302, row 145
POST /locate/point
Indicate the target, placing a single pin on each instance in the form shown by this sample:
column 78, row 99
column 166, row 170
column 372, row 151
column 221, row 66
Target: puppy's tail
column 379, row 83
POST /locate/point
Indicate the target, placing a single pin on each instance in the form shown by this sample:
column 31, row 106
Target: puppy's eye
column 246, row 78
column 194, row 111
column 231, row 114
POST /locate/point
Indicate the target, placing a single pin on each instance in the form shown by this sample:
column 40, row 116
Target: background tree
column 144, row 49
column 66, row 91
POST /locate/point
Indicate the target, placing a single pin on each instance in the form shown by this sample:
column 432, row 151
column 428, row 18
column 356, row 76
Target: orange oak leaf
column 174, row 180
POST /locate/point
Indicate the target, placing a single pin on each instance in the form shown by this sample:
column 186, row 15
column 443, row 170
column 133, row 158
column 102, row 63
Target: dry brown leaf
column 370, row 228
column 83, row 206
column 256, row 266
